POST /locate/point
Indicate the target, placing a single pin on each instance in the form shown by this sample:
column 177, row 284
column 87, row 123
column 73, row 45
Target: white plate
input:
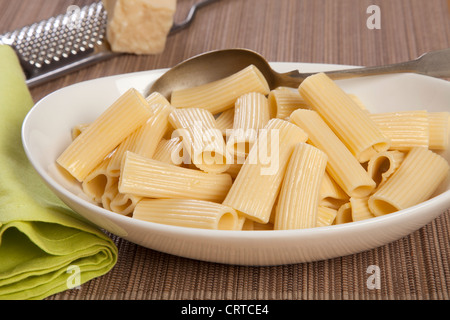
column 46, row 133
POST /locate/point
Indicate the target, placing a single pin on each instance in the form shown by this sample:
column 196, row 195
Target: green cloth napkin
column 45, row 248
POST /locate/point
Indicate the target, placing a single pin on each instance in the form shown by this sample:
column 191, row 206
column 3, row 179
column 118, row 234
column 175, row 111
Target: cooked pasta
column 234, row 155
column 439, row 130
column 187, row 213
column 325, row 216
column 152, row 131
column 220, row 95
column 283, row 101
column 251, row 114
column 95, row 183
column 331, row 194
column 257, row 185
column 124, row 203
column 145, row 139
column 202, row 139
column 344, row 214
column 243, row 223
column 113, row 169
column 344, row 116
column 170, row 151
column 234, row 169
column 157, row 98
column 256, row 226
column 299, row 197
column 78, row 129
column 150, row 178
column 342, row 166
column 405, row 129
column 360, row 209
column 224, row 121
column 111, row 190
column 382, row 165
column 124, row 116
column 414, row 181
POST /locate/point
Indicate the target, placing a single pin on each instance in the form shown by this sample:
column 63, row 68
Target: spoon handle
column 433, row 63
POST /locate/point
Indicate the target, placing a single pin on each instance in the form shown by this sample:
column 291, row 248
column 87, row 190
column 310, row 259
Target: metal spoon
column 218, row 64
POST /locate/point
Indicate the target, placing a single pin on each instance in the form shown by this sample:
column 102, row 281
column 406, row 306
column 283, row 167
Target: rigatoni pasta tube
column 157, row 98
column 344, row 214
column 95, row 183
column 187, row 213
column 220, row 95
column 257, row 184
column 145, row 139
column 170, row 151
column 124, row 203
column 439, row 130
column 150, row 178
column 325, row 216
column 111, row 190
column 251, row 114
column 349, row 122
column 405, row 129
column 331, row 194
column 78, row 129
column 201, row 139
column 382, row 165
column 419, row 175
column 113, row 168
column 224, row 121
column 360, row 209
column 152, row 131
column 234, row 169
column 298, row 201
column 283, row 101
column 342, row 165
column 124, row 116
column 256, row 226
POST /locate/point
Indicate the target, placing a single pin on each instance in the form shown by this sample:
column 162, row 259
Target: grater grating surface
column 50, row 47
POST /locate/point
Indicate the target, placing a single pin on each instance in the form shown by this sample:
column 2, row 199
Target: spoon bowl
column 212, row 66
column 218, row 64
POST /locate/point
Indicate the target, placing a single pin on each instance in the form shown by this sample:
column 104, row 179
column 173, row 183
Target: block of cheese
column 139, row 26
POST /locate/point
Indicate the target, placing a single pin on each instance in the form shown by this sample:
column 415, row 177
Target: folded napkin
column 45, row 248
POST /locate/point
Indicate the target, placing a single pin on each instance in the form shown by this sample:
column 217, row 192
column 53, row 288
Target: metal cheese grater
column 51, row 48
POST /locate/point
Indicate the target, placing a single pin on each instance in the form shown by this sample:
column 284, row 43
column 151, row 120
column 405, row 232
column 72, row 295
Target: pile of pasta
column 234, row 154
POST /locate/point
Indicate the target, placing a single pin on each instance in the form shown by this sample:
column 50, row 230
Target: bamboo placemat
column 319, row 31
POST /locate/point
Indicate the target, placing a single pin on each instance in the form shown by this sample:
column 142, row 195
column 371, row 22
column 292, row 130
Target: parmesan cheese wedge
column 139, row 26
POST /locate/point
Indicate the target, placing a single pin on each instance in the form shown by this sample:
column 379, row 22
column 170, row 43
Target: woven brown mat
column 414, row 267
column 320, row 31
